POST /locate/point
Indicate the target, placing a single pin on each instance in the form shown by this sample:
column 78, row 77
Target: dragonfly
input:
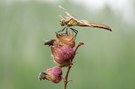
column 69, row 21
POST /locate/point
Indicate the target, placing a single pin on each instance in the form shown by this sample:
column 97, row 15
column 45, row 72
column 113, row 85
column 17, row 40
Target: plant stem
column 66, row 77
column 69, row 67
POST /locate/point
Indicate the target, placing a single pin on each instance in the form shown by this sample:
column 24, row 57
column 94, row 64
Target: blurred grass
column 106, row 61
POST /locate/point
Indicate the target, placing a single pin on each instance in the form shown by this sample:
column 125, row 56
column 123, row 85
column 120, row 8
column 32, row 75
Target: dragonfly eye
column 62, row 22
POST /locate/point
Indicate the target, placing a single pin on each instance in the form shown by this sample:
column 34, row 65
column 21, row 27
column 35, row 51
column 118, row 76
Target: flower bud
column 62, row 54
column 62, row 49
column 53, row 74
column 67, row 39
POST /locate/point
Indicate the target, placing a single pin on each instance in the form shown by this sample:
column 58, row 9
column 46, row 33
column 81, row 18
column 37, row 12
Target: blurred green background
column 106, row 61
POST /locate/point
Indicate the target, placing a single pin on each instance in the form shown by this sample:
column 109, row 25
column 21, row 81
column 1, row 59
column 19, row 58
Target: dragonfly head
column 62, row 22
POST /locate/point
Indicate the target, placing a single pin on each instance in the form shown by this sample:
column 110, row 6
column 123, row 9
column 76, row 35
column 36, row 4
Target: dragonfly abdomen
column 101, row 26
column 84, row 24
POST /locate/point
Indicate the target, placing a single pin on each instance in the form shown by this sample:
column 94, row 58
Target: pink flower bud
column 62, row 49
column 53, row 74
column 67, row 39
column 63, row 54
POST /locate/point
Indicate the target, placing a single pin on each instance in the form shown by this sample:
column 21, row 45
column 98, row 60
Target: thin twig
column 66, row 77
column 69, row 67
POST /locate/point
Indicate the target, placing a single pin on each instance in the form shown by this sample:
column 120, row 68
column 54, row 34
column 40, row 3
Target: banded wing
column 66, row 12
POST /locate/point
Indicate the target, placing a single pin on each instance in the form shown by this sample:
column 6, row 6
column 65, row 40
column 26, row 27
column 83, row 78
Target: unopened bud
column 63, row 54
column 67, row 39
column 53, row 74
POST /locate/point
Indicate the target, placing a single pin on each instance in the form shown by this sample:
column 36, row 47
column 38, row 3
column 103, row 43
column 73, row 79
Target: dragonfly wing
column 66, row 12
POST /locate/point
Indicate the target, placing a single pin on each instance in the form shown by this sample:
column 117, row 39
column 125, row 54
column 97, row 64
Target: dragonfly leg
column 66, row 30
column 75, row 31
column 61, row 30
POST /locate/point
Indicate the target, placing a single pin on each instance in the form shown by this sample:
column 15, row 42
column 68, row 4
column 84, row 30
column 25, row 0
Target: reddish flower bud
column 66, row 39
column 53, row 74
column 62, row 49
column 63, row 54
